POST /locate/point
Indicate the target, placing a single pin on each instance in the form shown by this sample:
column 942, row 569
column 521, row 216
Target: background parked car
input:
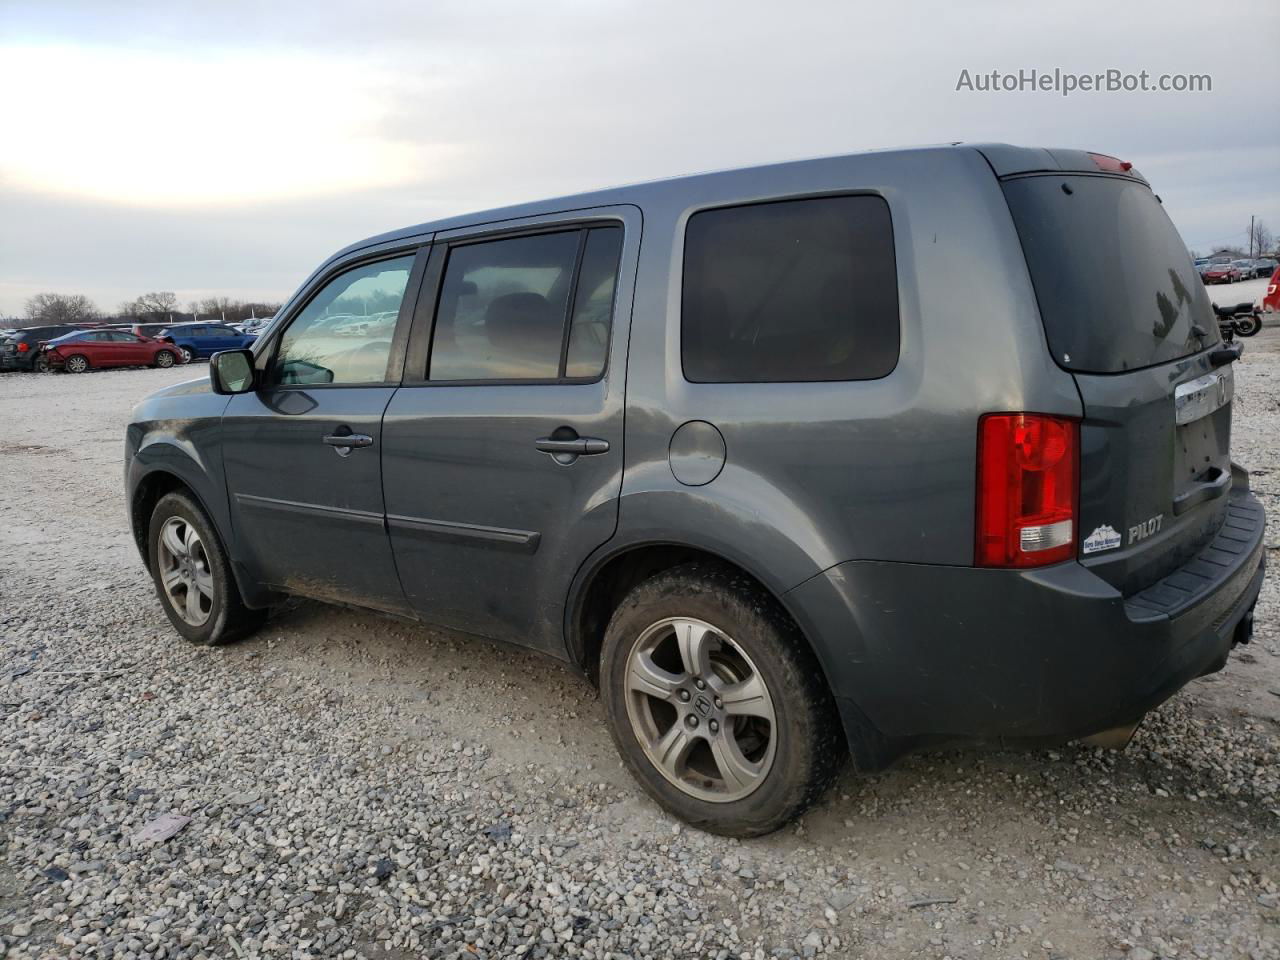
column 1271, row 299
column 150, row 330
column 1244, row 269
column 1264, row 267
column 1221, row 273
column 203, row 340
column 85, row 349
column 22, row 349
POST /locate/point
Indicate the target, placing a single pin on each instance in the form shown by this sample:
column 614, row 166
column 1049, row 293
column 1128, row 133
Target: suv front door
column 302, row 452
column 502, row 452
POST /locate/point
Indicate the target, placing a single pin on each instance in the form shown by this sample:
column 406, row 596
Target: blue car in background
column 202, row 340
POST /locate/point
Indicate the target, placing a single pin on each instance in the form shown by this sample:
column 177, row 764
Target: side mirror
column 231, row 371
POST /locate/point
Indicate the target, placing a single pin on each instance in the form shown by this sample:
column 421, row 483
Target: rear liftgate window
column 1116, row 288
column 795, row 290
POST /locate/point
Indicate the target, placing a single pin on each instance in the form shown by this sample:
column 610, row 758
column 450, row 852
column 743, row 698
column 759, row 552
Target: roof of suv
column 1004, row 160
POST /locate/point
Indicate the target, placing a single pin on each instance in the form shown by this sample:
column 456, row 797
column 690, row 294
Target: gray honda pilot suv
column 859, row 454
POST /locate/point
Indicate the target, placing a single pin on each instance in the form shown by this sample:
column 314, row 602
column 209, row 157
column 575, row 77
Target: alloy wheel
column 164, row 359
column 185, row 572
column 700, row 709
column 77, row 364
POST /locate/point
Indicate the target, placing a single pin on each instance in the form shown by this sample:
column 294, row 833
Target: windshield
column 1116, row 288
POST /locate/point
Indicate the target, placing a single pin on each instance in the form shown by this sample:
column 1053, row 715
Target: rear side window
column 527, row 308
column 1116, row 288
column 796, row 290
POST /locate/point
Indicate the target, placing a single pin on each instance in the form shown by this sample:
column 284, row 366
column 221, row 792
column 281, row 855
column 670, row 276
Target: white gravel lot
column 363, row 787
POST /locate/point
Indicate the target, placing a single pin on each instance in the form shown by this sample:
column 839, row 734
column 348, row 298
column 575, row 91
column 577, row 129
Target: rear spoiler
column 1008, row 161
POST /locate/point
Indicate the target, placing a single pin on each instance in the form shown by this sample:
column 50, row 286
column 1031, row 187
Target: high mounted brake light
column 1110, row 164
column 1028, row 478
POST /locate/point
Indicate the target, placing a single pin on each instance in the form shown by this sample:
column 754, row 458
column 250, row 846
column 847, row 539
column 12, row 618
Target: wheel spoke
column 747, row 698
column 194, row 613
column 171, row 578
column 204, row 582
column 694, row 641
column 736, row 770
column 673, row 749
column 192, row 540
column 645, row 676
column 172, row 541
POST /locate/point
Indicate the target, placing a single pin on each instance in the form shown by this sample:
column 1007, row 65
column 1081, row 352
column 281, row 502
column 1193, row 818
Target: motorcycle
column 1244, row 319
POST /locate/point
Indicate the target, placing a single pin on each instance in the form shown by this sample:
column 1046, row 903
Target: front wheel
column 716, row 703
column 76, row 363
column 187, row 355
column 164, row 358
column 192, row 574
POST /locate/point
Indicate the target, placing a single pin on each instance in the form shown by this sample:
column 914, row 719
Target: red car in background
column 77, row 352
column 1221, row 273
column 1271, row 299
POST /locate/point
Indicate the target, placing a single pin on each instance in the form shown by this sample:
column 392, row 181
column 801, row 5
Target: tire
column 41, row 365
column 195, row 562
column 187, row 355
column 165, row 358
column 1248, row 326
column 745, row 644
column 76, row 363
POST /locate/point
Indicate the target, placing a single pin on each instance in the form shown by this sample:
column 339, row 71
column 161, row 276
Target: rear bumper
column 919, row 654
column 17, row 361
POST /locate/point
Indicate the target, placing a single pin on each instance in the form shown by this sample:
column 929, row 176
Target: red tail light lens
column 23, row 346
column 1028, row 475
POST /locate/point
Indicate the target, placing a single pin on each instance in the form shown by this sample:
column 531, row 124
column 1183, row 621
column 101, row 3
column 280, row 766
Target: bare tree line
column 158, row 306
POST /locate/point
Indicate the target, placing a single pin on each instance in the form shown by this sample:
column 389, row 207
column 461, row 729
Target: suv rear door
column 502, row 452
column 1126, row 314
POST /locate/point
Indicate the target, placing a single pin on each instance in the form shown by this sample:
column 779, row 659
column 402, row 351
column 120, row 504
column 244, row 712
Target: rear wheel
column 716, row 703
column 164, row 358
column 76, row 363
column 193, row 576
column 41, row 365
column 1248, row 326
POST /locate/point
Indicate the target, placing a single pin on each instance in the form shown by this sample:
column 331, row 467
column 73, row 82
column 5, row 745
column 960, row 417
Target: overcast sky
column 227, row 147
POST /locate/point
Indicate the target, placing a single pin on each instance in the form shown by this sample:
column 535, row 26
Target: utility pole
column 1251, row 238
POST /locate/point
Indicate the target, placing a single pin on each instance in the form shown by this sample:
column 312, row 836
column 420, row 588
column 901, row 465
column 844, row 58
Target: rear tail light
column 1028, row 475
column 23, row 346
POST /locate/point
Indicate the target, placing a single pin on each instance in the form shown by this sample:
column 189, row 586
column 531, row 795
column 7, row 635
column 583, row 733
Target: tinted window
column 323, row 344
column 1116, row 288
column 593, row 304
column 504, row 303
column 790, row 291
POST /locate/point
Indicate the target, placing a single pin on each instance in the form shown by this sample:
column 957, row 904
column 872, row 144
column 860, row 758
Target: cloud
column 232, row 146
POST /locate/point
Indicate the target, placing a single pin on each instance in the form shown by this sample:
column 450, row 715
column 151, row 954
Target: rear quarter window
column 790, row 291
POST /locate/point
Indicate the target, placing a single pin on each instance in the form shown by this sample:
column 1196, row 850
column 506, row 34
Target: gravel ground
column 362, row 787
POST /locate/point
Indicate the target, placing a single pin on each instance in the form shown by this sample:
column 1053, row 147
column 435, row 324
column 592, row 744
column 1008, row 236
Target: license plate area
column 1202, row 409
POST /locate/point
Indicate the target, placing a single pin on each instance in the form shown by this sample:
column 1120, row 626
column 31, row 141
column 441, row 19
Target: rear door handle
column 568, row 450
column 581, row 447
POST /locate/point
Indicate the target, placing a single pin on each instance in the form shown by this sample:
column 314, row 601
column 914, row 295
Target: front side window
column 343, row 336
column 790, row 291
column 527, row 308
